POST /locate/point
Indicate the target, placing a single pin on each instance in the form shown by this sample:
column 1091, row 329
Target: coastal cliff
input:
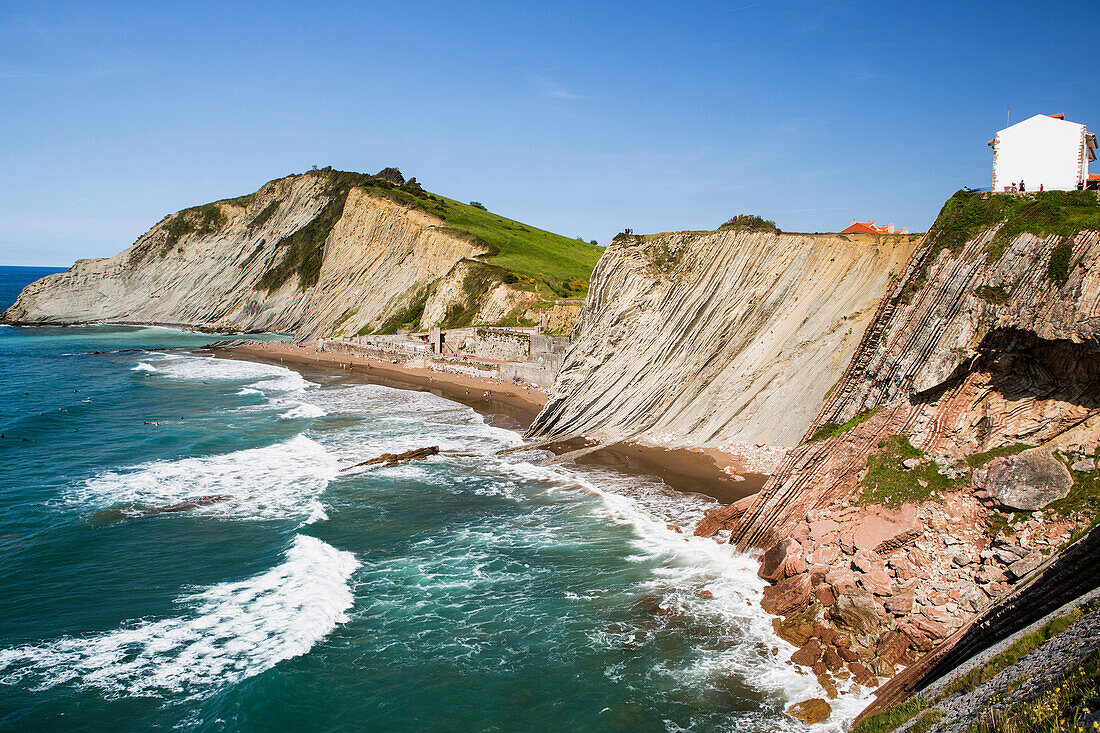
column 322, row 253
column 955, row 457
column 717, row 339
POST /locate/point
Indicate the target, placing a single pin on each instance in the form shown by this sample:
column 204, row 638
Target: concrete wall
column 1040, row 150
column 497, row 344
column 547, row 355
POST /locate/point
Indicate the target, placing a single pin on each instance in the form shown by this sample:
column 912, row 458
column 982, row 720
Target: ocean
column 467, row 592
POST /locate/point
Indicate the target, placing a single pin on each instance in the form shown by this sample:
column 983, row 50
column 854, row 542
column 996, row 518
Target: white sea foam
column 228, row 632
column 248, row 391
column 143, row 367
column 283, row 480
column 303, row 410
column 740, row 632
column 267, row 378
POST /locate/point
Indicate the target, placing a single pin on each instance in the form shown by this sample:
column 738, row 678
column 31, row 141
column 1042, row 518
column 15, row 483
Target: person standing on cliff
column 1022, row 189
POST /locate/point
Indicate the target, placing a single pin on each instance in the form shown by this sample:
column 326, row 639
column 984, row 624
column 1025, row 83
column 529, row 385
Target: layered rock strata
column 976, row 351
column 245, row 265
column 717, row 339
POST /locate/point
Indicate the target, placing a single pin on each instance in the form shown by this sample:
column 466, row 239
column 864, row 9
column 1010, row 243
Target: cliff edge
column 714, row 339
column 317, row 254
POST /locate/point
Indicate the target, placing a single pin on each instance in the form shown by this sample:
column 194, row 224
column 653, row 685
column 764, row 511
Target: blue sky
column 582, row 118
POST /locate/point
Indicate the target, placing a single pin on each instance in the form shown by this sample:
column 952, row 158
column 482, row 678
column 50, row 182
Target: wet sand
column 514, row 407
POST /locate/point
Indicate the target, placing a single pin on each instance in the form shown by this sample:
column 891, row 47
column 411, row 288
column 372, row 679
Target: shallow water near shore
column 468, row 591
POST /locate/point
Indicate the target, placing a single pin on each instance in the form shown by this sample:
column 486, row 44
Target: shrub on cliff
column 749, row 223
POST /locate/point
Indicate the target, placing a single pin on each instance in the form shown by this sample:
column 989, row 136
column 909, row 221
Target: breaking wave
column 230, row 631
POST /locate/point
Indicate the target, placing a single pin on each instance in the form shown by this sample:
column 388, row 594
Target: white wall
column 1038, row 150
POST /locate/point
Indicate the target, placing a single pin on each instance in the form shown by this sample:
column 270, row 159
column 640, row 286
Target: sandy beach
column 513, row 406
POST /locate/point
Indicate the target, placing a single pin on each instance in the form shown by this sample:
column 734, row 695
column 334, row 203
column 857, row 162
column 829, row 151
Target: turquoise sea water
column 468, row 592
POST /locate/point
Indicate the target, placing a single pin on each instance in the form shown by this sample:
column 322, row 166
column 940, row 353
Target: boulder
column 824, row 595
column 855, row 609
column 811, row 712
column 772, row 564
column 877, row 581
column 882, row 525
column 867, row 561
column 1026, row 481
column 900, row 605
column 808, row 654
column 790, row 594
column 1025, row 565
column 892, row 645
column 1084, row 465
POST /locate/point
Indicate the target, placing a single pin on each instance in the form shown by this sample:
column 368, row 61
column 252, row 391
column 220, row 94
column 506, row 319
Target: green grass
column 268, row 211
column 1083, row 497
column 407, row 317
column 891, row 718
column 1061, row 707
column 1058, row 267
column 888, row 482
column 965, row 215
column 538, row 260
column 750, row 223
column 548, row 261
column 926, row 721
column 980, row 459
column 998, row 295
column 832, row 429
column 1014, row 653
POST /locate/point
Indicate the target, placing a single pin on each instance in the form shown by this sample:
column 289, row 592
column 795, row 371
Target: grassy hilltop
column 523, row 256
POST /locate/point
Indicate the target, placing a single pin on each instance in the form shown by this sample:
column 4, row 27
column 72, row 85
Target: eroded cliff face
column 717, row 339
column 967, row 353
column 882, row 534
column 303, row 255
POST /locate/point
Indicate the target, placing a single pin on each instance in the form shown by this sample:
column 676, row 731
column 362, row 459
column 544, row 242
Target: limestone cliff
column 715, row 338
column 978, row 346
column 883, row 528
column 317, row 254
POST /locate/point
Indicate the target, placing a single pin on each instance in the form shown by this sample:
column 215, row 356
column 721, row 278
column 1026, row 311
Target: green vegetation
column 664, row 259
column 1083, row 497
column 1063, row 707
column 749, row 223
column 304, row 250
column 408, row 317
column 479, row 279
column 478, row 205
column 980, row 459
column 199, row 220
column 997, row 295
column 1058, row 267
column 535, row 259
column 268, row 211
column 1017, row 651
column 832, row 429
column 926, row 721
column 892, row 717
column 966, row 214
column 889, row 482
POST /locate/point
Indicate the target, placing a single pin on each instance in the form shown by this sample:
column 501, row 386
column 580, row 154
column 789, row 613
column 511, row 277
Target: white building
column 1044, row 149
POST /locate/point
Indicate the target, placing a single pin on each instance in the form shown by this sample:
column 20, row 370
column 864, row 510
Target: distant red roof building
column 869, row 227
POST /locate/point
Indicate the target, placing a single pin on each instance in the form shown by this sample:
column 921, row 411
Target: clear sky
column 578, row 117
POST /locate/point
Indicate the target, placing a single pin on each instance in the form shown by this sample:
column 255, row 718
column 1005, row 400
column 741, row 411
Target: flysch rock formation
column 979, row 349
column 191, row 271
column 955, row 373
column 717, row 339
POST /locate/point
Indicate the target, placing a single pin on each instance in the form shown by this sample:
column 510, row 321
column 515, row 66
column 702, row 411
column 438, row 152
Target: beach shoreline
column 699, row 471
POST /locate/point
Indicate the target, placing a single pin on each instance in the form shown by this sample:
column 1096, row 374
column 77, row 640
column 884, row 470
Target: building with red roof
column 869, row 227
